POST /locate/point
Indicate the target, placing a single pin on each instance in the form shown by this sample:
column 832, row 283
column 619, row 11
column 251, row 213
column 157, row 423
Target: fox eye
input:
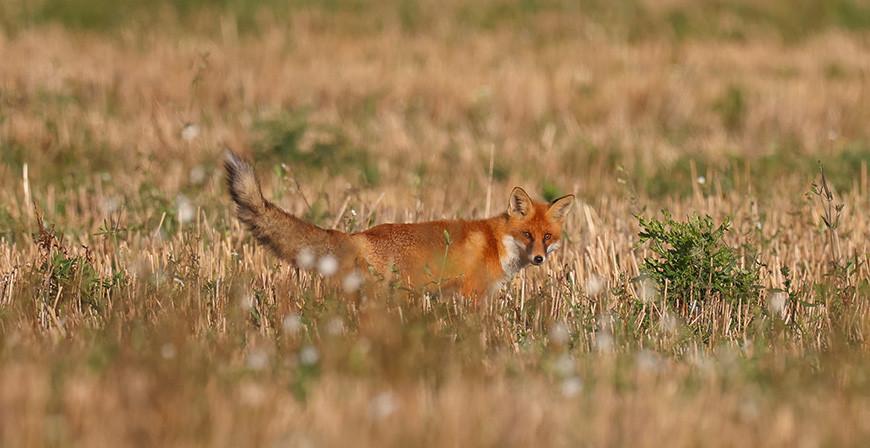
column 547, row 236
column 527, row 235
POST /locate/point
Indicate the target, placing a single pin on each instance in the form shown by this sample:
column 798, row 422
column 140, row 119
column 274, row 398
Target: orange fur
column 471, row 257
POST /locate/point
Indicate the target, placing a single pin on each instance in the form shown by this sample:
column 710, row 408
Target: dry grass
column 147, row 316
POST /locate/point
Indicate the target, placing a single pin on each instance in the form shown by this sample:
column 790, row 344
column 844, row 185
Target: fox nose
column 538, row 259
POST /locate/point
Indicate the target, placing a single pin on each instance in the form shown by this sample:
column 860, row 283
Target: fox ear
column 520, row 204
column 560, row 207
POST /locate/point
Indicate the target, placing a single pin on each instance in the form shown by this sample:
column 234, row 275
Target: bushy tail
column 289, row 237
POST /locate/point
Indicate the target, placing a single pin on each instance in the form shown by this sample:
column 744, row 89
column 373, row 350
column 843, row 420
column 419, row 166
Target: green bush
column 694, row 262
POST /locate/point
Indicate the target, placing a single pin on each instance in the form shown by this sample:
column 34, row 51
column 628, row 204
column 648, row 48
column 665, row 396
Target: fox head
column 535, row 228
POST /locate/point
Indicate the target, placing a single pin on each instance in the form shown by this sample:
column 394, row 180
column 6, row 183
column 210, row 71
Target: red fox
column 474, row 258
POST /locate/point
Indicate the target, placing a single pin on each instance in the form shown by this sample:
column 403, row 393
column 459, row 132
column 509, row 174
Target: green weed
column 691, row 261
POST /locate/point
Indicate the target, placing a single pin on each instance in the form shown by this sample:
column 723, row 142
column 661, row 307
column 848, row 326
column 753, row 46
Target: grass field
column 136, row 311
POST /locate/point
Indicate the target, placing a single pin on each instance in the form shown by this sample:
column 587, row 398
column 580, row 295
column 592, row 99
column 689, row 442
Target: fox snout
column 537, row 252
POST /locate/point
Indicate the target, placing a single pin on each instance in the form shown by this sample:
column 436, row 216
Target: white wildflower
column 305, row 258
column 110, row 205
column 668, row 323
column 776, row 303
column 327, row 265
column 246, row 303
column 571, row 386
column 604, row 341
column 648, row 361
column 335, row 326
column 559, row 333
column 140, row 267
column 382, row 405
column 646, row 289
column 197, row 175
column 749, row 409
column 257, row 359
column 186, row 211
column 308, row 355
column 594, row 285
column 167, row 351
column 363, row 346
column 351, row 282
column 291, row 324
column 190, row 132
column 251, row 394
column 701, row 361
column 564, row 366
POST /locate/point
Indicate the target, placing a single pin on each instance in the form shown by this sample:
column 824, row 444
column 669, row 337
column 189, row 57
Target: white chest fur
column 511, row 263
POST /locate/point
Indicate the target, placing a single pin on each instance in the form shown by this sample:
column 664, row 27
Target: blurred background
column 646, row 95
column 135, row 310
